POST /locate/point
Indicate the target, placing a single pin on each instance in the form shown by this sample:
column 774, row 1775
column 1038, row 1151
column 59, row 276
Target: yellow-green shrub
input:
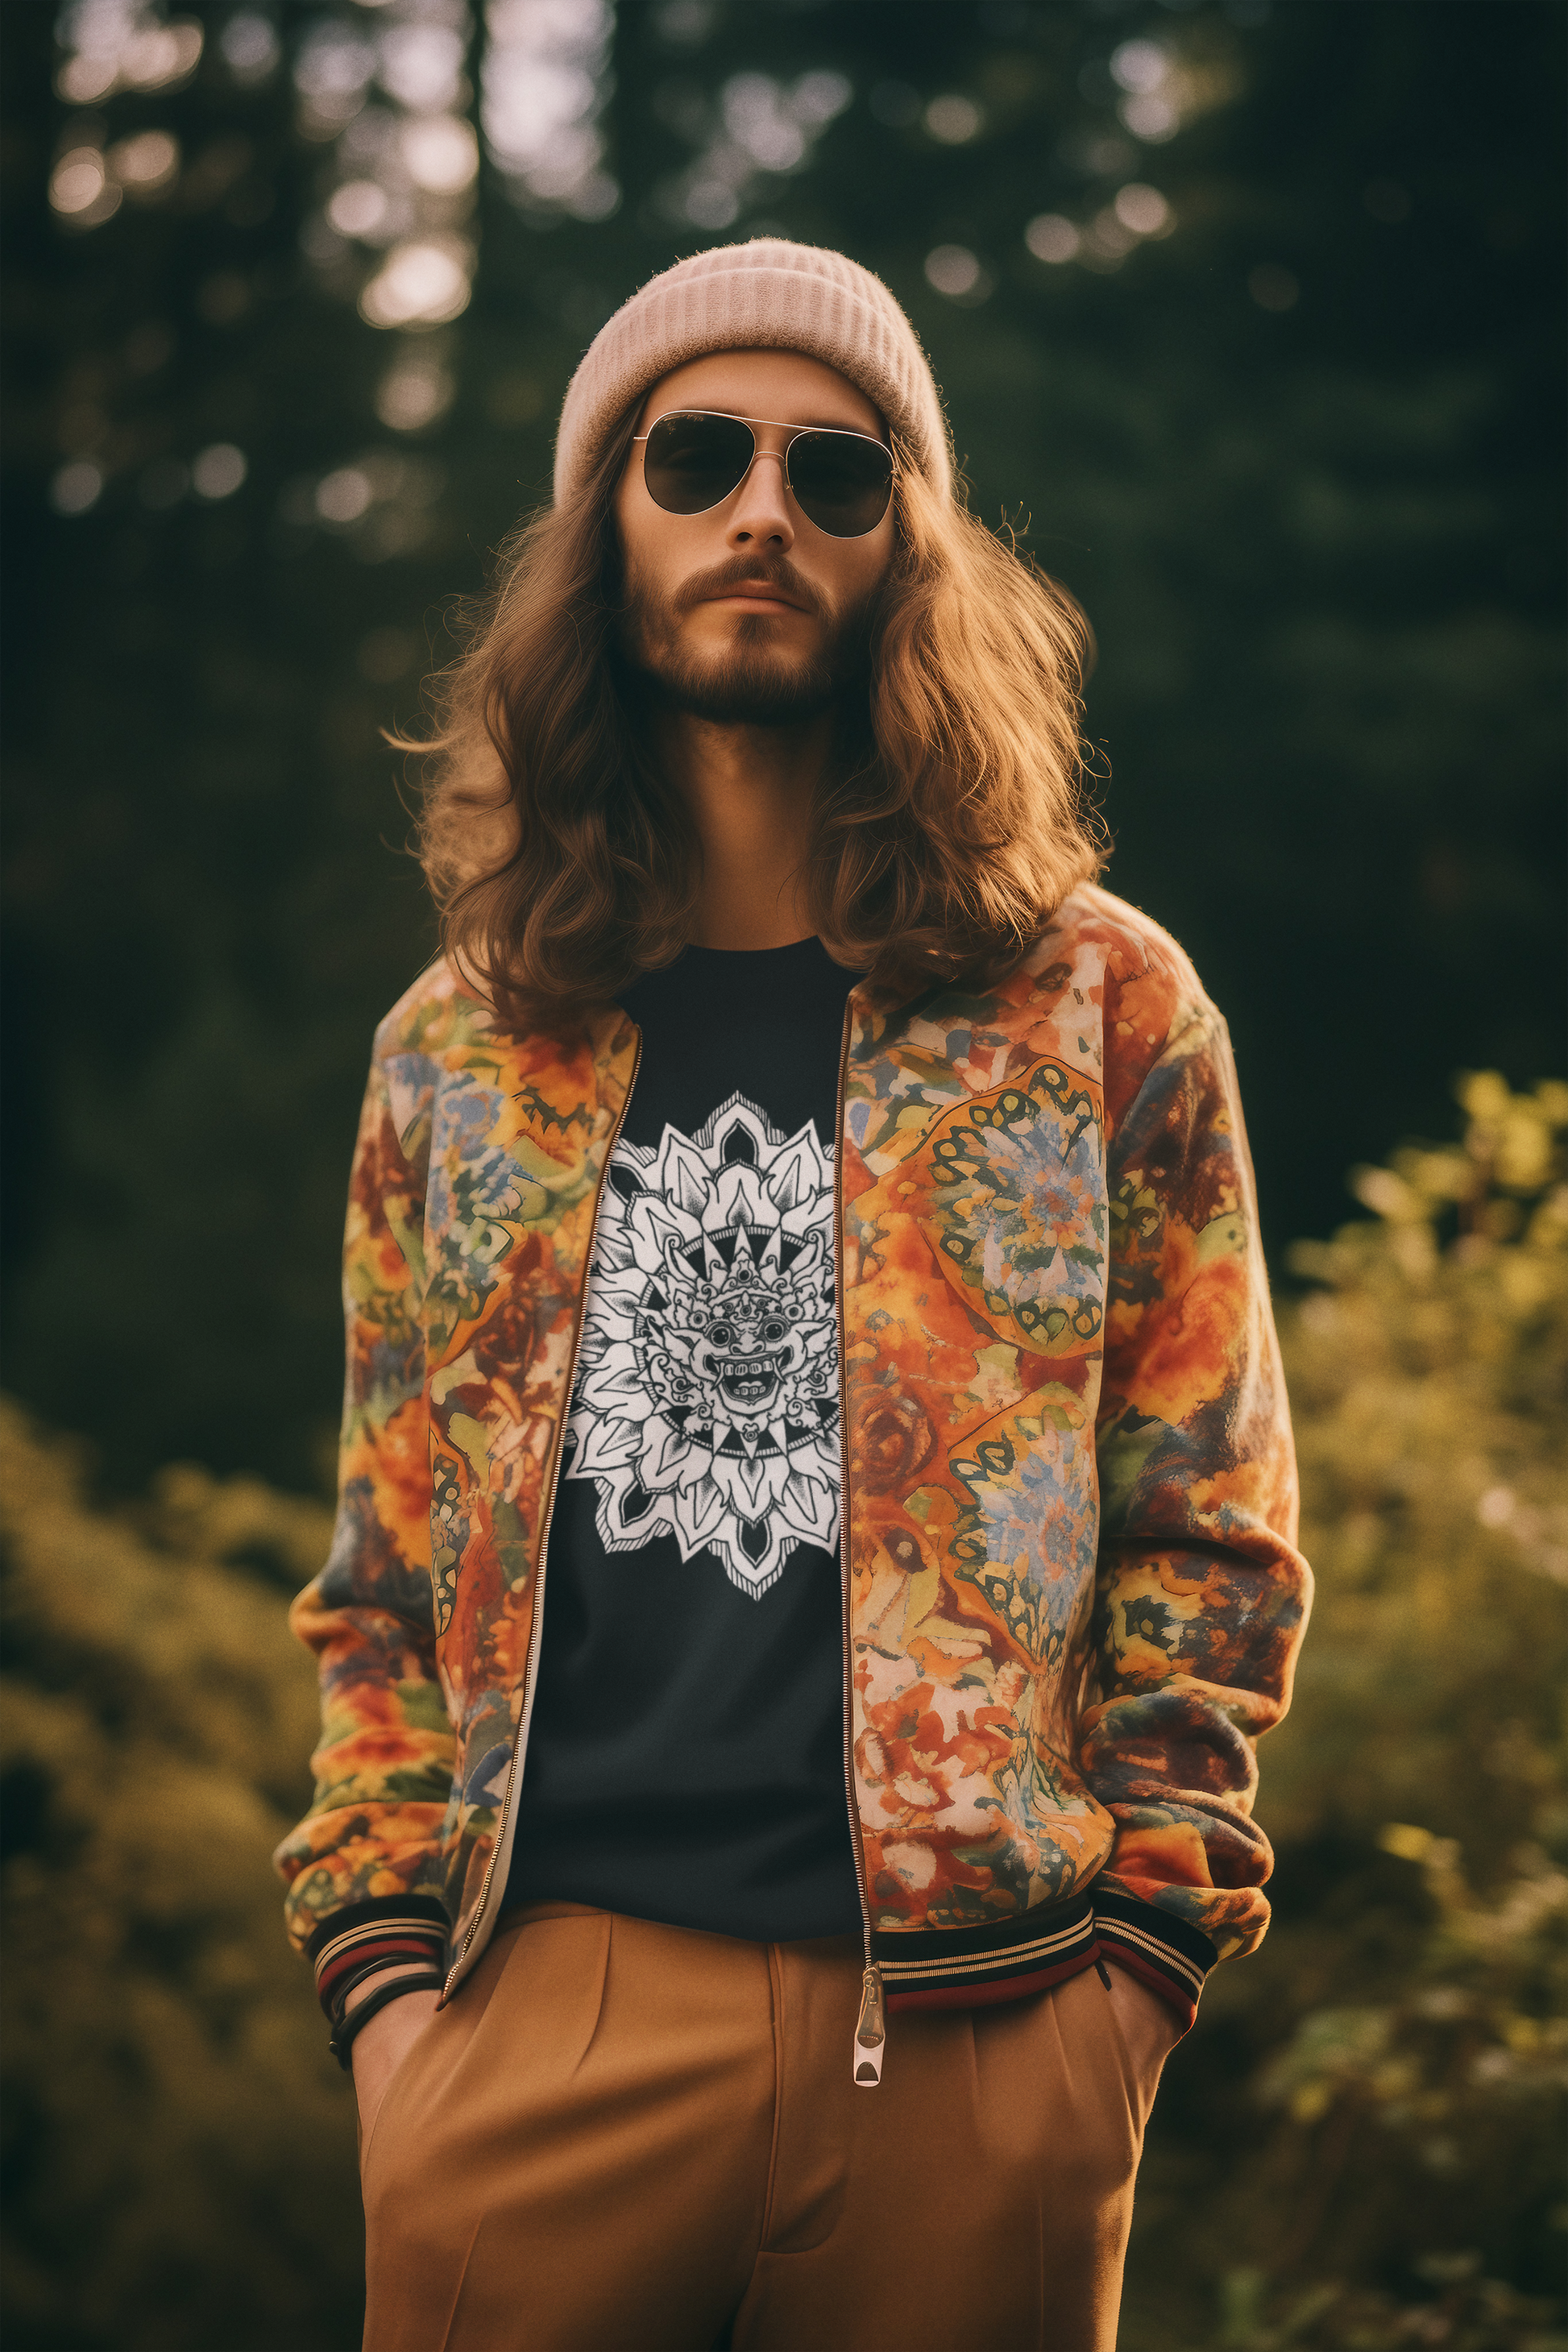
column 1360, row 2140
column 179, row 2147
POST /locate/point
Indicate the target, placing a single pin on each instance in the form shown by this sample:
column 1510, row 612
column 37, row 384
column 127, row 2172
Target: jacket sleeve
column 363, row 1866
column 1201, row 1597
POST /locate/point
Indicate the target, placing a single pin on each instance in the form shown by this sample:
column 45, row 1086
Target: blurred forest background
column 1250, row 317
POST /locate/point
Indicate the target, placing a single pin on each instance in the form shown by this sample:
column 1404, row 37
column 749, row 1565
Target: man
column 807, row 1218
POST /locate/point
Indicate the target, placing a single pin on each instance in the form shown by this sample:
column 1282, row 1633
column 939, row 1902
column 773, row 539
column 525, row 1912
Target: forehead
column 786, row 387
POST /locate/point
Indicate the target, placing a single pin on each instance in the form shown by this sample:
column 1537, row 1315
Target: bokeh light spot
column 146, row 163
column 421, row 66
column 333, row 72
column 754, row 114
column 81, row 188
column 76, row 487
column 422, row 283
column 358, row 208
column 1144, row 210
column 545, row 81
column 441, row 153
column 819, row 98
column 1108, row 240
column 711, row 205
column 118, row 44
column 413, row 393
column 953, row 118
column 1139, row 66
column 219, row 471
column 249, row 47
column 953, row 269
column 344, row 495
column 1149, row 116
column 1051, row 236
column 81, row 81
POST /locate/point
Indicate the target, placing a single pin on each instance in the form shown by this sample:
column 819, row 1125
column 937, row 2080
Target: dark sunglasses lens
column 841, row 480
column 692, row 463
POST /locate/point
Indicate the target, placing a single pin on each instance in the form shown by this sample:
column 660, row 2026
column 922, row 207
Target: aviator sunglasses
column 694, row 458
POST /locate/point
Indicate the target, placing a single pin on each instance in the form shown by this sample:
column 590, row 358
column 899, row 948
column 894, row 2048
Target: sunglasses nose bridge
column 763, row 449
column 760, row 455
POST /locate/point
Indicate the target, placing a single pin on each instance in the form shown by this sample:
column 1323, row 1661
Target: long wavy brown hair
column 951, row 824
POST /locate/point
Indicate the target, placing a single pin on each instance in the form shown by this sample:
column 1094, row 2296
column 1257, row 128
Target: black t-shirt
column 685, row 1759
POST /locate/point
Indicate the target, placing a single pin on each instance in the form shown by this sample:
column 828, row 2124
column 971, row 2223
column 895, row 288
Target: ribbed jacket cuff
column 392, row 1932
column 950, row 1968
column 1171, row 1958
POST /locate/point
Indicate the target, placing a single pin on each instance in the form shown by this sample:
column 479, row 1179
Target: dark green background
column 1320, row 548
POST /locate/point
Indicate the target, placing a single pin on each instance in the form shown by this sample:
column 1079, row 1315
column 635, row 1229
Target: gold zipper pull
column 871, row 2032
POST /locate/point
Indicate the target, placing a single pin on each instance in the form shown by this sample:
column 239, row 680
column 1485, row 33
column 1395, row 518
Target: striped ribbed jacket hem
column 937, row 1969
column 955, row 1968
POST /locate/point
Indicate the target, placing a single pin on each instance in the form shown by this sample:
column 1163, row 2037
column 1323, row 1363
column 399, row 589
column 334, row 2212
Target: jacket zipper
column 871, row 2025
column 500, row 1846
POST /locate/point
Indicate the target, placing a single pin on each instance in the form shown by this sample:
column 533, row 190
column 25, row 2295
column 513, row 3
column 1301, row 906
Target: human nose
column 761, row 517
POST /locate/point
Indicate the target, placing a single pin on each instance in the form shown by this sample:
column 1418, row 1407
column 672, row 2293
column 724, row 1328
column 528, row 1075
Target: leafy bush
column 1357, row 2147
column 179, row 2147
column 1359, row 2144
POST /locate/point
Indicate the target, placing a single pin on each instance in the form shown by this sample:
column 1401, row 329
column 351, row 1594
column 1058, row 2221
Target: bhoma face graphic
column 706, row 1400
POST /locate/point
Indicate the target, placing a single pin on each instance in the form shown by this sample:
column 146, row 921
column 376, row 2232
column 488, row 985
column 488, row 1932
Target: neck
column 750, row 792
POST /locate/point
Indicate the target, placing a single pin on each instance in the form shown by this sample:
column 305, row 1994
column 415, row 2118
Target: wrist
column 366, row 1999
column 368, row 1983
column 1151, row 2023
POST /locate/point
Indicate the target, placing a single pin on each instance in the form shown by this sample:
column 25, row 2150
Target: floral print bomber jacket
column 1072, row 1596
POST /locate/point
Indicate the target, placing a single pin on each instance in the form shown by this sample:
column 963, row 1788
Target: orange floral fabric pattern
column 470, row 1219
column 1058, row 1343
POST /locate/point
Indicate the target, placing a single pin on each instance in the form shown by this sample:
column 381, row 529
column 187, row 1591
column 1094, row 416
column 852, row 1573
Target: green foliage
column 179, row 2147
column 1367, row 2120
column 1427, row 1375
column 1356, row 2150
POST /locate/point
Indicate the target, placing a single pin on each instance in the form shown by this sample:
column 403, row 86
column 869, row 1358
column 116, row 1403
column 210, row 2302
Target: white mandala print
column 707, row 1403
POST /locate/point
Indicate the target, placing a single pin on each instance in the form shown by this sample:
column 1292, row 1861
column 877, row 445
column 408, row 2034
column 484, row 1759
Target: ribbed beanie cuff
column 766, row 295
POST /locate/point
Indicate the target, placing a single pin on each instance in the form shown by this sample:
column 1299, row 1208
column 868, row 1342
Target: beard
column 754, row 683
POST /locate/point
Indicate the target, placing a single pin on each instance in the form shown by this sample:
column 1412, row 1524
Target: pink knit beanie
column 766, row 295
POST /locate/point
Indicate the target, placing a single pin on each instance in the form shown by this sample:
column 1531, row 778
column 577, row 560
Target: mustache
column 745, row 571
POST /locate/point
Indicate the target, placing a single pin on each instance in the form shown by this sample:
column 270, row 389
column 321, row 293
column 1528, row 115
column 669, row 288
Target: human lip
column 755, row 591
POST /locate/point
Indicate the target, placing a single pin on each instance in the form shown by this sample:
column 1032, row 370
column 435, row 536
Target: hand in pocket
column 381, row 2047
column 1149, row 2027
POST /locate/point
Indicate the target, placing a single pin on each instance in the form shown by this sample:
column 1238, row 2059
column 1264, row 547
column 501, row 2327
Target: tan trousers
column 623, row 2137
